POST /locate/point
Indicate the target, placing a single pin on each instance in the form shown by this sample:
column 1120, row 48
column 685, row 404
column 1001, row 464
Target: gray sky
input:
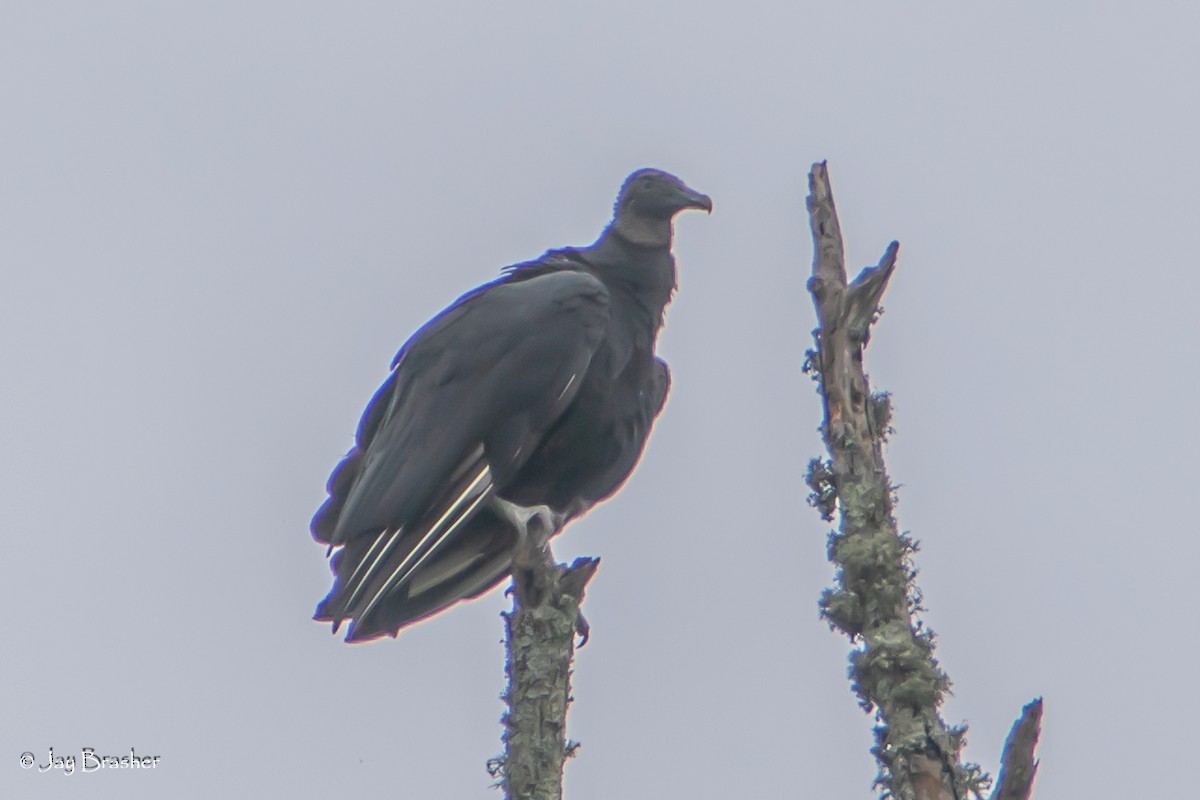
column 220, row 221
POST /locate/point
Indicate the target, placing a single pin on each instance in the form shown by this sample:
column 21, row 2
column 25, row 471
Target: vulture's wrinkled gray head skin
column 648, row 201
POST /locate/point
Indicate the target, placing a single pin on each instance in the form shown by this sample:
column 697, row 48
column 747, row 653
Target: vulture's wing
column 468, row 399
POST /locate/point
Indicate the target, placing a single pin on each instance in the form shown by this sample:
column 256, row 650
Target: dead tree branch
column 1018, row 765
column 540, row 643
column 875, row 599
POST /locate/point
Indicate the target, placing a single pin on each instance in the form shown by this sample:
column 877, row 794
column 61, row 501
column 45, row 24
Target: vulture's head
column 657, row 194
column 648, row 201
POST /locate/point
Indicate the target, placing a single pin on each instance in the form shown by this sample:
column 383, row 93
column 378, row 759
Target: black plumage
column 532, row 394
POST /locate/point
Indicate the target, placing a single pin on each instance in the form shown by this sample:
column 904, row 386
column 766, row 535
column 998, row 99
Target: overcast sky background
column 220, row 221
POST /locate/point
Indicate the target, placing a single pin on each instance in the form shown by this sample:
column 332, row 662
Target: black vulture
column 530, row 396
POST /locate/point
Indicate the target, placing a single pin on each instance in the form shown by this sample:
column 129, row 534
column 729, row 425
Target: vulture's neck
column 645, row 273
column 643, row 231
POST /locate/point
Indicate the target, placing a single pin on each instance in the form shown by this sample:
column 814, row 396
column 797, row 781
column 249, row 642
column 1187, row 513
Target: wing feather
column 468, row 399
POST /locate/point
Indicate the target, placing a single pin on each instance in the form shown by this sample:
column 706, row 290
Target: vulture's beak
column 694, row 199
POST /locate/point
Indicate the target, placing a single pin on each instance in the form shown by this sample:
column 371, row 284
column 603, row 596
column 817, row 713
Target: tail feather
column 376, row 573
column 478, row 560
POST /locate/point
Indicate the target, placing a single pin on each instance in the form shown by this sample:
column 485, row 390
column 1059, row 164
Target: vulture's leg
column 535, row 525
column 532, row 562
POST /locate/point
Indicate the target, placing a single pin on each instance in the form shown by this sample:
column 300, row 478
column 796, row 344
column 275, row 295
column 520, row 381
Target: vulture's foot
column 583, row 629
